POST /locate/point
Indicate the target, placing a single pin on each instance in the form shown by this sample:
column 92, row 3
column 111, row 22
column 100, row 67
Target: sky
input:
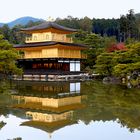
column 13, row 9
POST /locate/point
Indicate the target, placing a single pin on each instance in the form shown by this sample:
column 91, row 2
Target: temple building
column 50, row 99
column 51, row 109
column 49, row 49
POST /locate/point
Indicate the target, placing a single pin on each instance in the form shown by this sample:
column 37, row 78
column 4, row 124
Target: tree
column 116, row 47
column 70, row 22
column 16, row 36
column 8, row 56
column 120, row 62
column 5, row 30
column 94, row 43
column 104, row 64
column 80, row 36
column 106, row 27
column 132, row 25
column 86, row 24
column 129, row 26
column 128, row 61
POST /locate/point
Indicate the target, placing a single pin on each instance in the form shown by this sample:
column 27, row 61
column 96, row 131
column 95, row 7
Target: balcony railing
column 32, row 40
column 22, row 56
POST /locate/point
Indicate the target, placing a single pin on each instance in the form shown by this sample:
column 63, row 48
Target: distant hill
column 22, row 21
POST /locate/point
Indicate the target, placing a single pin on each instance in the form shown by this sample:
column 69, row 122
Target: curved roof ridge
column 47, row 25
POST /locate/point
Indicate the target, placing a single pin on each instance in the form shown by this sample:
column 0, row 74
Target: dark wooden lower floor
column 49, row 66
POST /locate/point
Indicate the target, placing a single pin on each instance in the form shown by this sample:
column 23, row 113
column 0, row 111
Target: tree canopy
column 120, row 62
column 8, row 56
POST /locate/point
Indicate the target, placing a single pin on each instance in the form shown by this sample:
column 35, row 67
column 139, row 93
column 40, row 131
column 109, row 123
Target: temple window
column 35, row 37
column 47, row 37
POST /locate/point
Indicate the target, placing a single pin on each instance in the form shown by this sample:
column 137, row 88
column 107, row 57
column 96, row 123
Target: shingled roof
column 49, row 127
column 49, row 43
column 47, row 25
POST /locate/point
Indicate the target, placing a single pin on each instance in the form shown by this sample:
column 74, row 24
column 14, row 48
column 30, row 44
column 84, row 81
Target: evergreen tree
column 8, row 56
column 5, row 30
column 128, row 26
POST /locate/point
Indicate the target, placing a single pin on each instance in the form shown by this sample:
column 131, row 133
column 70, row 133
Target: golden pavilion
column 47, row 111
column 49, row 49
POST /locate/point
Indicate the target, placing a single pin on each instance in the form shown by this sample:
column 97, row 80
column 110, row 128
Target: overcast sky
column 12, row 9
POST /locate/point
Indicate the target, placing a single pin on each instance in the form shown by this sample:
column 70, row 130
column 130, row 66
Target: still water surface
column 87, row 110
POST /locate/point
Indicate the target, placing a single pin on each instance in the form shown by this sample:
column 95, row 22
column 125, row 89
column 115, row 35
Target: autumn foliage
column 116, row 47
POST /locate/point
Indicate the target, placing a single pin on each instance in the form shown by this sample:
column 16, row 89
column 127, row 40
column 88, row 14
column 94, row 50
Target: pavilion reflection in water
column 51, row 109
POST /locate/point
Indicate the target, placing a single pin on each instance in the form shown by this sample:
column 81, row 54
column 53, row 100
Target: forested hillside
column 127, row 26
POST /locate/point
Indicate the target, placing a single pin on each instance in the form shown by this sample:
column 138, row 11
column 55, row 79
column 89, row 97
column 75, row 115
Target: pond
column 69, row 111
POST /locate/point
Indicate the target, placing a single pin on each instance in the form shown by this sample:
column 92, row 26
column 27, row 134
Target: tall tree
column 8, row 56
column 86, row 24
column 104, row 64
column 106, row 27
column 16, row 36
column 5, row 30
column 132, row 26
column 95, row 45
column 128, row 26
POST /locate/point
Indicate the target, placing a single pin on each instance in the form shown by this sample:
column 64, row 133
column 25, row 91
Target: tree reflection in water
column 111, row 102
column 102, row 102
